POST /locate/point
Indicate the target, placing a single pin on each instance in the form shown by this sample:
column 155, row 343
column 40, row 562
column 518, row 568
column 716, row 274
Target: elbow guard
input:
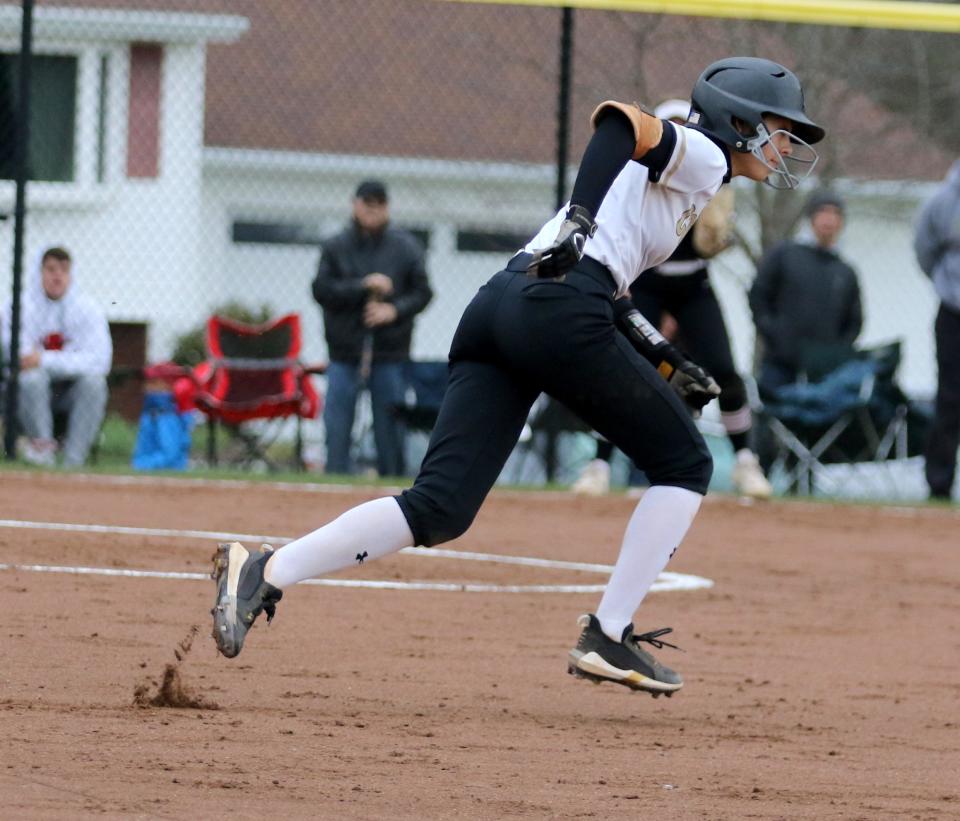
column 647, row 129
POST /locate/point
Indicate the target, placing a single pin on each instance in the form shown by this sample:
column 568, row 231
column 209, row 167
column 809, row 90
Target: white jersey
column 640, row 223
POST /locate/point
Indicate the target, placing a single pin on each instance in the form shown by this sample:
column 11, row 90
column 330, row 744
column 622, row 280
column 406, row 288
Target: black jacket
column 804, row 296
column 346, row 259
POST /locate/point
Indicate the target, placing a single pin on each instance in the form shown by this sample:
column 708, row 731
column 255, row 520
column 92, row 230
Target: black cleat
column 242, row 594
column 598, row 658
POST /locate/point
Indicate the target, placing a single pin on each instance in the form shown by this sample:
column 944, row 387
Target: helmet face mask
column 788, row 171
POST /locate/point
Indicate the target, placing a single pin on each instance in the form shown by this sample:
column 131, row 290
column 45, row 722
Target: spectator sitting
column 371, row 283
column 805, row 296
column 65, row 356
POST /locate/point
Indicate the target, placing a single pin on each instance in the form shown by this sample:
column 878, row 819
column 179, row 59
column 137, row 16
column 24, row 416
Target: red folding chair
column 254, row 374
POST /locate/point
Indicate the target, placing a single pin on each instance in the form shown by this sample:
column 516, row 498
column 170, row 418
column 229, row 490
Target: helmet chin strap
column 782, row 177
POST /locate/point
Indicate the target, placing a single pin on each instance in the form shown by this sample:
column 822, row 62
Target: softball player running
column 558, row 320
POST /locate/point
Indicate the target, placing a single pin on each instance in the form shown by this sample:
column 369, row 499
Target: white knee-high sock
column 371, row 530
column 655, row 530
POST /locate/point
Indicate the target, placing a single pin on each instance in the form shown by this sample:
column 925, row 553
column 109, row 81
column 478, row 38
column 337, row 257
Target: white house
column 130, row 92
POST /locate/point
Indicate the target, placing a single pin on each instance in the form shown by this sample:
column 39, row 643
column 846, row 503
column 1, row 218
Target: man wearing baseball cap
column 371, row 283
column 372, row 192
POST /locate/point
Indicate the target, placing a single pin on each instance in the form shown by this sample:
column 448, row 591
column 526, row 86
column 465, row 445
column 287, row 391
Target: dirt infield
column 821, row 669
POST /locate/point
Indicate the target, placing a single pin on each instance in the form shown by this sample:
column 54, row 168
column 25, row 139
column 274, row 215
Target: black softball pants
column 940, row 463
column 519, row 337
column 690, row 299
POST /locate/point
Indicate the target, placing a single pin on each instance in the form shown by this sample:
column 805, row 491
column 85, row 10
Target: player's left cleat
column 242, row 594
column 598, row 658
column 748, row 478
column 594, row 481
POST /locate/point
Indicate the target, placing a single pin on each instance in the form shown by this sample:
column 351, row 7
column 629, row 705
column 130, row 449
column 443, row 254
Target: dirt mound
column 171, row 691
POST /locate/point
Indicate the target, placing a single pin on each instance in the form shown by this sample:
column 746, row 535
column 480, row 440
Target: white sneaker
column 595, row 479
column 39, row 452
column 748, row 478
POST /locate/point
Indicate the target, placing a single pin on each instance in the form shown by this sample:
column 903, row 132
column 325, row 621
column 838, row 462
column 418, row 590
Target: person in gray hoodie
column 937, row 245
column 65, row 356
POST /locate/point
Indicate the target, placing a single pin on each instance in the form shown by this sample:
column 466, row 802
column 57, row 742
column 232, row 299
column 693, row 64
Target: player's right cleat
column 598, row 658
column 242, row 594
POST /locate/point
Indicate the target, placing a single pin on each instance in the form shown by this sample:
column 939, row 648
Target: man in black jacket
column 371, row 283
column 805, row 298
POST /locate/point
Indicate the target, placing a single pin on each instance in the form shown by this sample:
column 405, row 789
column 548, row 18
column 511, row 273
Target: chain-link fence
column 191, row 154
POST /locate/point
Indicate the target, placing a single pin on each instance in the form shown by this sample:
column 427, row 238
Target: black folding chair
column 547, row 422
column 426, row 385
column 853, row 414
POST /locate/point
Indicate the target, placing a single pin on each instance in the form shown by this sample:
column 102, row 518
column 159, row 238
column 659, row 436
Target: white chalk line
column 375, row 585
column 667, row 581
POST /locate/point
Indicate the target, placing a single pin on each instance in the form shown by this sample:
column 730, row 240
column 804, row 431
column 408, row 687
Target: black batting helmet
column 746, row 88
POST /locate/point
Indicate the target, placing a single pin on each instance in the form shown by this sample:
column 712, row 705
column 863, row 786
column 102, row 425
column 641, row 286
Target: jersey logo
column 687, row 218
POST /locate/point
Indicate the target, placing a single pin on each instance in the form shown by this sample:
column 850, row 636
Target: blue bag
column 163, row 435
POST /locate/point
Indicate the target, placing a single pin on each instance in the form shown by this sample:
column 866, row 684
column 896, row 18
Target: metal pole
column 563, row 103
column 21, row 142
column 563, row 149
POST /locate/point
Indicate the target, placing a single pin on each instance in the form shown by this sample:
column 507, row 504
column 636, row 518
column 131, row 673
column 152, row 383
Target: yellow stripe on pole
column 880, row 14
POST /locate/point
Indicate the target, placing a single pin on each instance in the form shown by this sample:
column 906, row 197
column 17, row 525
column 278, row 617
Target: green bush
column 190, row 348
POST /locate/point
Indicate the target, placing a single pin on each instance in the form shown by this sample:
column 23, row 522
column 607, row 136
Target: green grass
column 118, row 438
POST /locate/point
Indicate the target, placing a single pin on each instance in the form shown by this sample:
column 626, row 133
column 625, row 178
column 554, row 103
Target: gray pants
column 83, row 398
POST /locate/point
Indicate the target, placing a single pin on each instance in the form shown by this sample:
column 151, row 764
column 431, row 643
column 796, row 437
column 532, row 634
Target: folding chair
column 547, row 422
column 253, row 375
column 854, row 414
column 426, row 384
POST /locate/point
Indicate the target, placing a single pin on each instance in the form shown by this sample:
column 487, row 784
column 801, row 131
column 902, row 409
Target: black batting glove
column 693, row 385
column 567, row 249
column 690, row 382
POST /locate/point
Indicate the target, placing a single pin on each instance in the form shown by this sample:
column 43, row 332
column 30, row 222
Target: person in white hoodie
column 65, row 356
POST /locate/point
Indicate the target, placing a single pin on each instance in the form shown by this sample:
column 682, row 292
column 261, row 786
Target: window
column 275, row 233
column 102, row 119
column 297, row 233
column 422, row 235
column 500, row 242
column 50, row 156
